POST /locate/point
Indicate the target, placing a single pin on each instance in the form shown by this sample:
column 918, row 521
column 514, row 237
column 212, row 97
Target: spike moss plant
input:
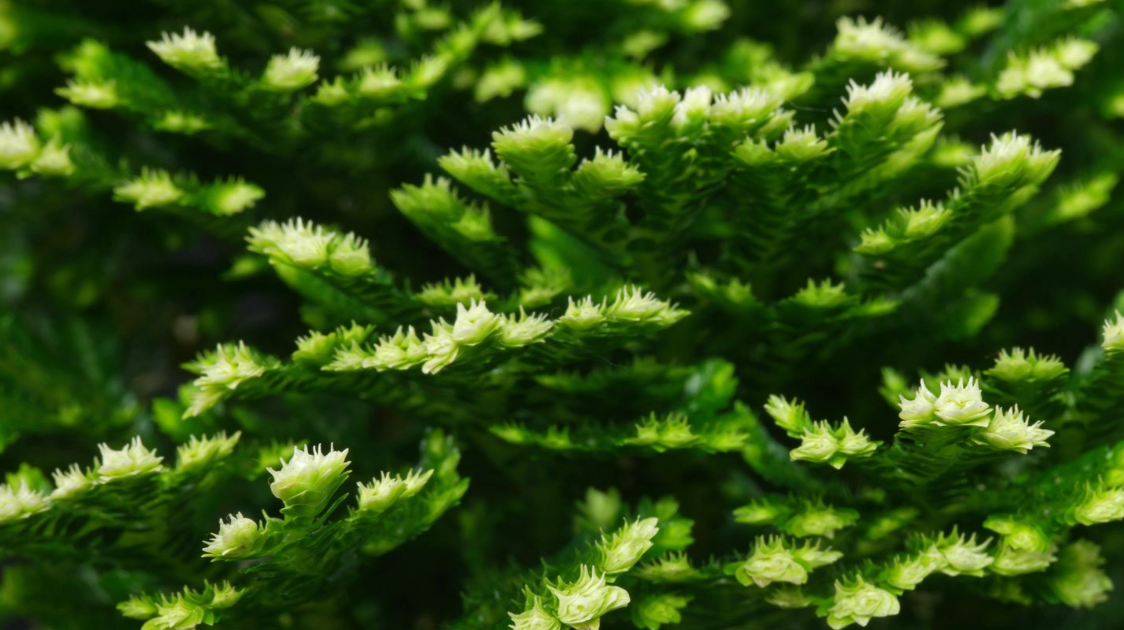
column 328, row 314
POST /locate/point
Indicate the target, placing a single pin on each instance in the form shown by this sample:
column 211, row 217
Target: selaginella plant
column 704, row 314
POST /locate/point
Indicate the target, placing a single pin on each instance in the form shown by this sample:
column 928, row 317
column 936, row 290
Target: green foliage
column 662, row 288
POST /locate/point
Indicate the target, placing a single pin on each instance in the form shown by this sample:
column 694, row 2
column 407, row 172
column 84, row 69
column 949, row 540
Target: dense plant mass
column 331, row 314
